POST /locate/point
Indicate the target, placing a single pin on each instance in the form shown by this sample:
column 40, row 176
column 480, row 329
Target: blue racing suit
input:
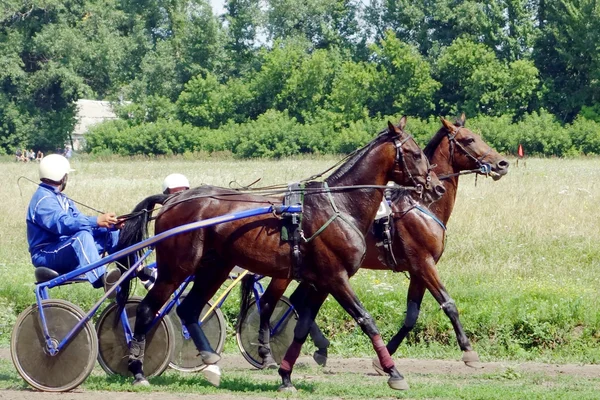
column 63, row 239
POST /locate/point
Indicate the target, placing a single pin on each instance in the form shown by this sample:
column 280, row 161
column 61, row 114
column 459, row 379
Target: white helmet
column 175, row 181
column 54, row 167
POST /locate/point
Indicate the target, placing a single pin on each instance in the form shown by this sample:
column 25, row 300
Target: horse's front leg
column 343, row 293
column 146, row 310
column 267, row 304
column 312, row 304
column 416, row 291
column 438, row 291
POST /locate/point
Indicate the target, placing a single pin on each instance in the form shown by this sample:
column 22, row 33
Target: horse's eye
column 469, row 140
column 417, row 156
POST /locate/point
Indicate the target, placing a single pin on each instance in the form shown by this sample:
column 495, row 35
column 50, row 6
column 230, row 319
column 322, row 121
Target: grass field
column 521, row 261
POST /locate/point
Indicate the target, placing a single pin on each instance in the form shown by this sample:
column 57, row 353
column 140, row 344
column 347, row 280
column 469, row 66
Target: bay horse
column 418, row 243
column 337, row 214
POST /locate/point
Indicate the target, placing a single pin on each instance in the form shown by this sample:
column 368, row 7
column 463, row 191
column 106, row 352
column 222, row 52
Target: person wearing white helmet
column 175, row 183
column 60, row 237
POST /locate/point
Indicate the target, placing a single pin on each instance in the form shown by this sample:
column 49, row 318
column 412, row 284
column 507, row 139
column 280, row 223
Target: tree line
column 282, row 77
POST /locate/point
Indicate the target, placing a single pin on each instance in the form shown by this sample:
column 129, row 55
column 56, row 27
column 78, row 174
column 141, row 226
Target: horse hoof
column 141, row 382
column 288, row 389
column 471, row 359
column 270, row 365
column 398, row 384
column 212, row 373
column 377, row 367
column 209, row 358
column 320, row 359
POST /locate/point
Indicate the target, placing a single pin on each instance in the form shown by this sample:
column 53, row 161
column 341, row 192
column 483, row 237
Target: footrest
column 43, row 274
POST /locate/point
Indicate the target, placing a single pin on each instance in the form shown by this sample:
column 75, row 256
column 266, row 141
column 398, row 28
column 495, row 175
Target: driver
column 60, row 237
column 175, row 183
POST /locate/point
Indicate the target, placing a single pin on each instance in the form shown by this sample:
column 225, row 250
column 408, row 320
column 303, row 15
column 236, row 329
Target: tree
column 567, row 55
column 403, row 82
column 243, row 19
column 503, row 25
column 206, row 102
column 325, row 23
column 476, row 82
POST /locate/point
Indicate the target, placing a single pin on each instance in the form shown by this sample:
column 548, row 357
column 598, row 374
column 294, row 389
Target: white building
column 90, row 112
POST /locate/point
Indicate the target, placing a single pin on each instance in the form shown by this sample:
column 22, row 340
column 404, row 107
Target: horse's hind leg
column 343, row 293
column 313, row 303
column 146, row 310
column 206, row 283
column 320, row 356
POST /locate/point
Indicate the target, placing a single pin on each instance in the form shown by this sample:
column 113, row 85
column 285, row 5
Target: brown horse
column 418, row 242
column 337, row 214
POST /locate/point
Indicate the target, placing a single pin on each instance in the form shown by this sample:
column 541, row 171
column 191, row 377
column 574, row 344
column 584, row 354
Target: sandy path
column 335, row 365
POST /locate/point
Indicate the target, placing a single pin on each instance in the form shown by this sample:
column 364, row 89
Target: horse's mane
column 434, row 142
column 396, row 193
column 360, row 153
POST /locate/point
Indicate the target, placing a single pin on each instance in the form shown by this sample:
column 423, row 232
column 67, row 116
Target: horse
column 418, row 243
column 337, row 214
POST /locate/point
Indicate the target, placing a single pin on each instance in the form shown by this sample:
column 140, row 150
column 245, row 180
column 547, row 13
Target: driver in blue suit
column 60, row 237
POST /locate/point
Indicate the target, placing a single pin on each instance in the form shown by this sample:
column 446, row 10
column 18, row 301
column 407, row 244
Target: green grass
column 521, row 261
column 313, row 383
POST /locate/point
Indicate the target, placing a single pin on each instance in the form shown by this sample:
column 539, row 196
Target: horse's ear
column 447, row 124
column 462, row 119
column 402, row 123
column 391, row 127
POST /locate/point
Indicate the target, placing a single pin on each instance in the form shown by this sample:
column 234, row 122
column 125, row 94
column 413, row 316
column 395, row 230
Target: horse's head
column 412, row 167
column 468, row 151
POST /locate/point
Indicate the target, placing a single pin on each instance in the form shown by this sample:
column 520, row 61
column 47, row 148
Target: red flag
column 520, row 151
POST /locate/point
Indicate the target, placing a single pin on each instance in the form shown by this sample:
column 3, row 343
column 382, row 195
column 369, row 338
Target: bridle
column 401, row 162
column 482, row 167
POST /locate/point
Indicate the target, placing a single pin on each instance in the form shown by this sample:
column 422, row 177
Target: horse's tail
column 135, row 229
column 246, row 295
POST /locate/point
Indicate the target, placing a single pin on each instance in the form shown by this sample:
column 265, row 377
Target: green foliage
column 325, row 23
column 403, row 82
column 206, row 102
column 310, row 59
column 475, row 81
column 158, row 138
column 567, row 56
column 585, row 134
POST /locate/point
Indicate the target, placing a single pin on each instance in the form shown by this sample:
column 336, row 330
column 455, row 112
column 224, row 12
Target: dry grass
column 521, row 257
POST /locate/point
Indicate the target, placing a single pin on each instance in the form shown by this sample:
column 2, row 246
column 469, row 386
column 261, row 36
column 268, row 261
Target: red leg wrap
column 291, row 355
column 382, row 353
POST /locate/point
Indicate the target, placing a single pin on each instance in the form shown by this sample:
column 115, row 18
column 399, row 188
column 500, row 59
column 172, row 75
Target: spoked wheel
column 247, row 332
column 185, row 357
column 113, row 354
column 71, row 365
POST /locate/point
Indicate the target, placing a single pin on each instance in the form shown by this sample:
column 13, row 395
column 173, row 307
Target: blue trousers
column 77, row 251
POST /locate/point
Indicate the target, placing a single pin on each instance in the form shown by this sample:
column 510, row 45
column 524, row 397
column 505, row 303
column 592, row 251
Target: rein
column 485, row 169
column 69, row 198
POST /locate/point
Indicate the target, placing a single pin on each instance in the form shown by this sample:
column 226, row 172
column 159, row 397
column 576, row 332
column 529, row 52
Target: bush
column 585, row 134
column 275, row 134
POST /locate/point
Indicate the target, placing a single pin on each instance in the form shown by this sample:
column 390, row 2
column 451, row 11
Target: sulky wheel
column 247, row 332
column 113, row 351
column 71, row 365
column 185, row 357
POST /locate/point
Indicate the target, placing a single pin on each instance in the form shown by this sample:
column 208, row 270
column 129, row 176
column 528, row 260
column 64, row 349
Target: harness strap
column 337, row 214
column 427, row 212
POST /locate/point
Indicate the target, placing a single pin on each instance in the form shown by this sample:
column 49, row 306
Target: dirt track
column 335, row 365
